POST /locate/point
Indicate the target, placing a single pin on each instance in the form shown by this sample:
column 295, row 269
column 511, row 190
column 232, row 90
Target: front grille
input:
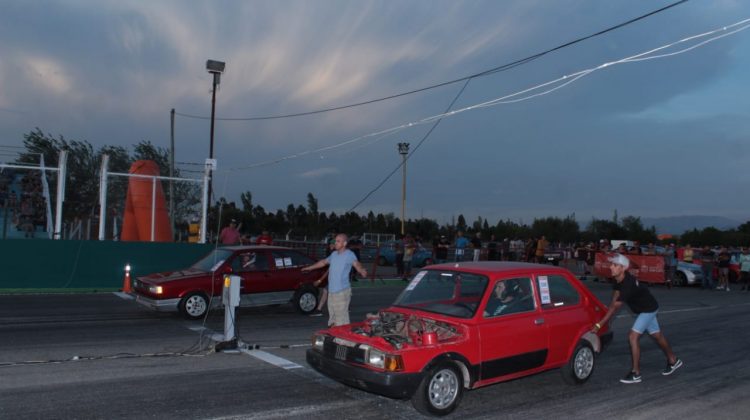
column 342, row 352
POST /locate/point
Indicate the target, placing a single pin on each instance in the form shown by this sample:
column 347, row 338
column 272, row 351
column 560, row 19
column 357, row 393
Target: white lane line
column 272, row 359
column 121, row 295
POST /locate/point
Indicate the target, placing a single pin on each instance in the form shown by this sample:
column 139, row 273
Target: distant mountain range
column 677, row 225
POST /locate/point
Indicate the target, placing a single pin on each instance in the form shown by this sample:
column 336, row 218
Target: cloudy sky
column 649, row 138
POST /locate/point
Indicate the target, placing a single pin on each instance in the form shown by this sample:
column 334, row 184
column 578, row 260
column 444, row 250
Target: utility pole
column 403, row 150
column 171, row 171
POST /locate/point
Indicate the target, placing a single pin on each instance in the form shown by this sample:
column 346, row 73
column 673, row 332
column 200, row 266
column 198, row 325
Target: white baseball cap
column 619, row 259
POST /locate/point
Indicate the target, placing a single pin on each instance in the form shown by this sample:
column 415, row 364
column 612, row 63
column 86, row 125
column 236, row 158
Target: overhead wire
column 493, row 70
column 531, row 92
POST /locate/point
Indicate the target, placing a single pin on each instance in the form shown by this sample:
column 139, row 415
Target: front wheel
column 580, row 366
column 306, row 300
column 440, row 390
column 194, row 305
column 680, row 279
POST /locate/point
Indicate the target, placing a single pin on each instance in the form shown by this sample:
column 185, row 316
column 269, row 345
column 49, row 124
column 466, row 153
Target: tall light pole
column 216, row 68
column 403, row 150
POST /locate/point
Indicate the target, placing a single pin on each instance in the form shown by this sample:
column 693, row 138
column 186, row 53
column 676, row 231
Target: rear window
column 556, row 291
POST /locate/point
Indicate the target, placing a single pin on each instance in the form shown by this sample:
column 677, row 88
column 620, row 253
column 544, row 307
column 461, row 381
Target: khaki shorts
column 338, row 307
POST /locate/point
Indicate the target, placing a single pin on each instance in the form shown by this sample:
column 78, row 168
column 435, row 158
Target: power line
column 494, row 70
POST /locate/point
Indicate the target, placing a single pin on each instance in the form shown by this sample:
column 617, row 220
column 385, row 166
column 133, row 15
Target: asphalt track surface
column 99, row 356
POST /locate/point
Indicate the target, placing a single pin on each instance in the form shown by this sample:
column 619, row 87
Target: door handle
column 539, row 321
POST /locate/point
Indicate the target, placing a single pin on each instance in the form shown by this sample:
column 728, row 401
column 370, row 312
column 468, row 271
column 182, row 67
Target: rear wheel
column 580, row 366
column 440, row 390
column 306, row 299
column 194, row 305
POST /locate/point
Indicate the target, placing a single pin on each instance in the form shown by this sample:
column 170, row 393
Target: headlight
column 385, row 361
column 318, row 341
column 157, row 290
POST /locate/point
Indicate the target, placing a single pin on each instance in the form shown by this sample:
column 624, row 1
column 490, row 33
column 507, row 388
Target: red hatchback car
column 461, row 326
column 270, row 275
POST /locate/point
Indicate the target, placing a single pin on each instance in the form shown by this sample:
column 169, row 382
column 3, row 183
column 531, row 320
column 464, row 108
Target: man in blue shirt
column 461, row 244
column 340, row 263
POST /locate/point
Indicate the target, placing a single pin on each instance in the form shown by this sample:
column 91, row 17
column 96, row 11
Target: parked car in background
column 387, row 255
column 467, row 325
column 270, row 275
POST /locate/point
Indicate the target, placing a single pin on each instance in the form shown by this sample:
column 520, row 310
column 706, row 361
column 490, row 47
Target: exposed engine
column 399, row 329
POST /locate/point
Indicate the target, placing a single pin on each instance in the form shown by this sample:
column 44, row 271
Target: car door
column 257, row 277
column 563, row 313
column 288, row 273
column 514, row 339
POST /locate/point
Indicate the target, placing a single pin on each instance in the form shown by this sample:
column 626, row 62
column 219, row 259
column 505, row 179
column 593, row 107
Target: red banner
column 647, row 268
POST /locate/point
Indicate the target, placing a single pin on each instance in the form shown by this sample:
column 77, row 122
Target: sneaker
column 316, row 313
column 632, row 378
column 673, row 367
column 727, row 288
column 719, row 287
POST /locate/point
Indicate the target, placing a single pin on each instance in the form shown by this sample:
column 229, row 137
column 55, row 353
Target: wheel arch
column 468, row 371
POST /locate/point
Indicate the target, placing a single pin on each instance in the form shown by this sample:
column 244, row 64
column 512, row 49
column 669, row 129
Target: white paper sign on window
column 287, row 262
column 279, row 262
column 544, row 290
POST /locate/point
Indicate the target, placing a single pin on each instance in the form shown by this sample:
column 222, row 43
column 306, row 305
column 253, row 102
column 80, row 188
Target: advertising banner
column 647, row 268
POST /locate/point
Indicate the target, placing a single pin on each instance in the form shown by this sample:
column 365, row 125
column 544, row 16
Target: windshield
column 445, row 292
column 212, row 261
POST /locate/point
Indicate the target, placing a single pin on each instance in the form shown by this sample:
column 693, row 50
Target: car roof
column 498, row 267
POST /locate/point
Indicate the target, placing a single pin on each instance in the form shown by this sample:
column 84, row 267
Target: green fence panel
column 63, row 264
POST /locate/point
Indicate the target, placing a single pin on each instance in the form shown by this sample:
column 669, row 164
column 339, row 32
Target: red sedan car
column 270, row 275
column 463, row 326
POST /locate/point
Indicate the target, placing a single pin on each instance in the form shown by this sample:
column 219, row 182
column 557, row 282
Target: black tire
column 680, row 279
column 580, row 367
column 440, row 391
column 194, row 305
column 382, row 261
column 305, row 299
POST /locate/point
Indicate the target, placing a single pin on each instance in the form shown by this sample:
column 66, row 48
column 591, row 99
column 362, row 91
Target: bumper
column 393, row 385
column 159, row 305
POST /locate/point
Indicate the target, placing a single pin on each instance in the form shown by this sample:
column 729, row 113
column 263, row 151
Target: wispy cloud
column 319, row 173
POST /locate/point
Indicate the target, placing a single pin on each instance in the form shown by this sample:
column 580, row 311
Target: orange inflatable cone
column 126, row 281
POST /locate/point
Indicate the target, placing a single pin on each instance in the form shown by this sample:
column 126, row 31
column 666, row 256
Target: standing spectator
column 744, row 262
column 492, row 249
column 580, row 255
column 339, row 289
column 461, row 244
column 476, row 245
column 670, row 264
column 399, row 244
column 723, row 260
column 541, row 248
column 627, row 289
column 322, row 284
column 687, row 254
column 230, row 235
column 505, row 249
column 409, row 247
column 590, row 258
column 264, row 238
column 440, row 248
column 707, row 265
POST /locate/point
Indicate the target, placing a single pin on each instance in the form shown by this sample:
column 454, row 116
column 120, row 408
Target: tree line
column 308, row 221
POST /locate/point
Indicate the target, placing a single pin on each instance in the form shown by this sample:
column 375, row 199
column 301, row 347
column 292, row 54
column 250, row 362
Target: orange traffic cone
column 126, row 281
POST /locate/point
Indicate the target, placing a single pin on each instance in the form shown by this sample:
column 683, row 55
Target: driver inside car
column 505, row 295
